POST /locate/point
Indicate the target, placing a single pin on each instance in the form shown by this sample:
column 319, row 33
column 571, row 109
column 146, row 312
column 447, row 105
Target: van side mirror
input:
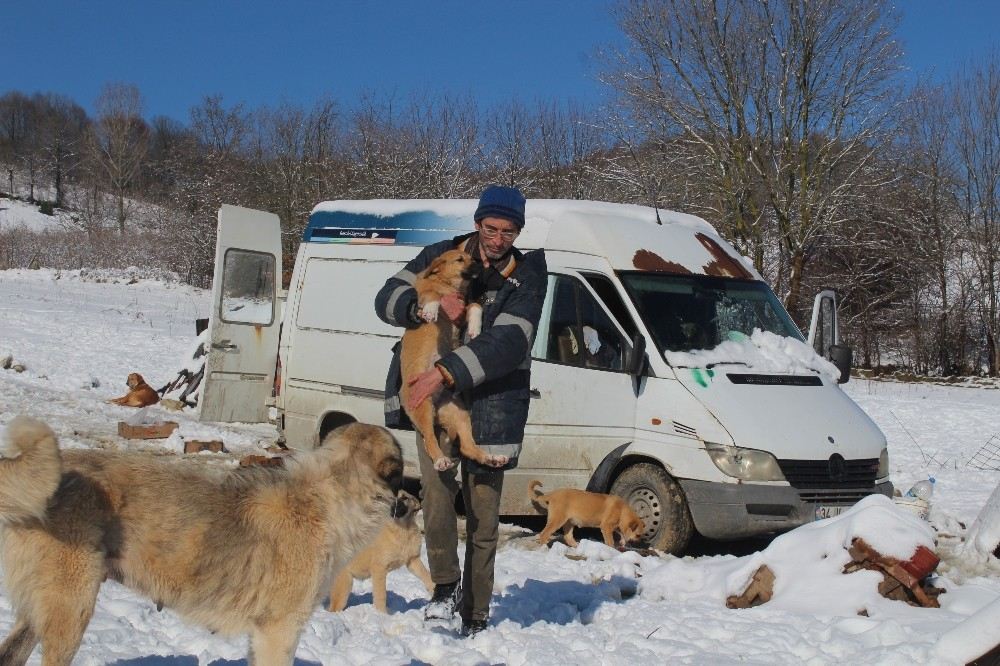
column 636, row 362
column 841, row 356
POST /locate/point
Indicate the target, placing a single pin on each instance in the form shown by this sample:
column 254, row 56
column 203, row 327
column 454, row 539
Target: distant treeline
column 790, row 126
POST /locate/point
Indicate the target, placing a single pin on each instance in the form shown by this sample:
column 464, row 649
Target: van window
column 825, row 334
column 609, row 296
column 247, row 287
column 580, row 332
column 684, row 313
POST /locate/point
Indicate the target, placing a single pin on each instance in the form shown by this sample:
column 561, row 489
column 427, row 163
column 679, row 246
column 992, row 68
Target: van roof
column 627, row 235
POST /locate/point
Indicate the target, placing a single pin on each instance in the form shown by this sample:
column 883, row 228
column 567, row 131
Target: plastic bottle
column 922, row 489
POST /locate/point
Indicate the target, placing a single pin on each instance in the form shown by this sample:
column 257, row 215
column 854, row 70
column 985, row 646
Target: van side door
column 245, row 318
column 583, row 399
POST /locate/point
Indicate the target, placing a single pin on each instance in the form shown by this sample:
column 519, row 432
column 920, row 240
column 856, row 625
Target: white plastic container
column 922, row 489
column 920, row 507
column 917, row 499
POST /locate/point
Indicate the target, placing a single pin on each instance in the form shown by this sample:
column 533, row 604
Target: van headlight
column 745, row 464
column 883, row 464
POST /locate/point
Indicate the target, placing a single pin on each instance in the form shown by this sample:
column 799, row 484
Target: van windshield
column 685, row 313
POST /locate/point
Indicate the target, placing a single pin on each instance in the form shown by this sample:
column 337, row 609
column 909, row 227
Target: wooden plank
column 146, row 430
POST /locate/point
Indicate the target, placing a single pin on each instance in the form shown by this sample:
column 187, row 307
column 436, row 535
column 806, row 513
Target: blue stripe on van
column 411, row 228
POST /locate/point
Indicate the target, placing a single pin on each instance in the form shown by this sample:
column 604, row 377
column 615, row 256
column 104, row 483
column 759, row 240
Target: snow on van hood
column 761, row 351
column 795, row 422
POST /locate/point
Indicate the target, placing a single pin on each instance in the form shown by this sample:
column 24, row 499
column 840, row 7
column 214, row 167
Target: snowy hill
column 78, row 335
column 16, row 214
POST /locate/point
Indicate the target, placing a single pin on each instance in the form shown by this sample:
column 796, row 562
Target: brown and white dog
column 425, row 345
column 247, row 550
column 140, row 393
column 569, row 508
column 397, row 545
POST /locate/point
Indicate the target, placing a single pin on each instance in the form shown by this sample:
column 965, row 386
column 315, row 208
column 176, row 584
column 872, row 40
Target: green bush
column 47, row 207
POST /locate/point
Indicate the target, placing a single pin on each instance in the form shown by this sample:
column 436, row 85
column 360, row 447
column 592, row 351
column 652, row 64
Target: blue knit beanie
column 503, row 202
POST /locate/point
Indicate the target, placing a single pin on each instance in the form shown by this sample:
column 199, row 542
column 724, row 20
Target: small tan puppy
column 569, row 508
column 140, row 393
column 397, row 545
column 425, row 345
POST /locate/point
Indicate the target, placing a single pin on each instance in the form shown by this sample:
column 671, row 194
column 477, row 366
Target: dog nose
column 399, row 508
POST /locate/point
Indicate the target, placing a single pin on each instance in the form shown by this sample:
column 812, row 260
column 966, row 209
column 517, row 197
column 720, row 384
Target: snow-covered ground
column 16, row 214
column 79, row 335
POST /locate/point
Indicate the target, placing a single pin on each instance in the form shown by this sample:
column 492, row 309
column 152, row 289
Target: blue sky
column 298, row 51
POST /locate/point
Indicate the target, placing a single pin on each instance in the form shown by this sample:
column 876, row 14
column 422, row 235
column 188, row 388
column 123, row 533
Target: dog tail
column 535, row 496
column 30, row 470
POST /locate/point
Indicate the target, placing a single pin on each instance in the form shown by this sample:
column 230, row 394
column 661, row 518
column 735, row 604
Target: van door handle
column 225, row 345
column 535, row 393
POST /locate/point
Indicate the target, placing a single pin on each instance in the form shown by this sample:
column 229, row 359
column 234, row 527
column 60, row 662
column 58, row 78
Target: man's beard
column 494, row 255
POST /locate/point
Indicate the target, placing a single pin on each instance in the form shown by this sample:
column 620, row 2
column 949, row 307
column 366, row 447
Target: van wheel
column 658, row 499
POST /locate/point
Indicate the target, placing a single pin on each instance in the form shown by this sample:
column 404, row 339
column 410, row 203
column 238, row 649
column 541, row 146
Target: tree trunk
column 121, row 214
column 991, row 354
column 795, row 286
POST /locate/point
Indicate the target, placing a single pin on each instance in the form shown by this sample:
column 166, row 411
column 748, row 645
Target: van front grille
column 834, row 496
column 833, row 474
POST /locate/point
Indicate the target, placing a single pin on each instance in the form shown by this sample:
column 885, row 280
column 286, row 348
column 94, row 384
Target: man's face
column 496, row 236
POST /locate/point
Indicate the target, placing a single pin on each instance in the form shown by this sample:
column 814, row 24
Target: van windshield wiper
column 709, row 366
column 712, row 365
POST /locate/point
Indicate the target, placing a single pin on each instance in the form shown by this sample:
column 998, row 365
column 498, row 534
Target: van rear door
column 244, row 324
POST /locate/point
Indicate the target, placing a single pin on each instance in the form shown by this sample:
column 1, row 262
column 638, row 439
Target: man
column 492, row 372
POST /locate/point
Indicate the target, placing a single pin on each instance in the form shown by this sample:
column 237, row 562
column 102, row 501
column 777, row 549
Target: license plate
column 828, row 511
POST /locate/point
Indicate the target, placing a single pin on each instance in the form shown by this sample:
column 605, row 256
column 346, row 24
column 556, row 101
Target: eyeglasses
column 492, row 232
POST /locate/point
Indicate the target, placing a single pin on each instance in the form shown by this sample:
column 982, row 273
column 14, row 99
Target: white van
column 665, row 369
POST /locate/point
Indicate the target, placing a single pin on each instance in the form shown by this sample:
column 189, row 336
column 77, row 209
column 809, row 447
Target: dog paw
column 474, row 317
column 429, row 312
column 496, row 461
column 443, row 464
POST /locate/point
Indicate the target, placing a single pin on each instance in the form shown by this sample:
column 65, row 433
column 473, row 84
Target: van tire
column 658, row 499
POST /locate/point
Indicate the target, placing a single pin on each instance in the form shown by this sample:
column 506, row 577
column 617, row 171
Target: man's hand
column 424, row 386
column 453, row 307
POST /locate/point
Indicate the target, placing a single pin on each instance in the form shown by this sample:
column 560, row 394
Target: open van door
column 244, row 324
column 824, row 334
column 823, row 327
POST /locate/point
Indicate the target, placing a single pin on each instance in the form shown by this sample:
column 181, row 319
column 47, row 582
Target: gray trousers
column 481, row 496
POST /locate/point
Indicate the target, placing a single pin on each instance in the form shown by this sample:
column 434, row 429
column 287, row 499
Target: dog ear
column 436, row 265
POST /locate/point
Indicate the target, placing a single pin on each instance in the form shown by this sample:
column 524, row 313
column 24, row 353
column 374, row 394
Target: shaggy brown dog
column 140, row 393
column 398, row 544
column 569, row 508
column 425, row 345
column 245, row 550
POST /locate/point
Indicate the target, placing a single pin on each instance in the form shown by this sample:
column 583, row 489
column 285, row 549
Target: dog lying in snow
column 140, row 393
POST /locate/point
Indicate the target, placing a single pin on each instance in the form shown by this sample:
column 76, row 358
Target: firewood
column 759, row 591
column 261, row 461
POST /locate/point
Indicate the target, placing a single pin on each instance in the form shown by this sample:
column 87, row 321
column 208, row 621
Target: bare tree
column 930, row 208
column 19, row 139
column 443, row 133
column 511, row 145
column 569, row 139
column 291, row 149
column 786, row 100
column 118, row 143
column 219, row 129
column 62, row 127
column 978, row 146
